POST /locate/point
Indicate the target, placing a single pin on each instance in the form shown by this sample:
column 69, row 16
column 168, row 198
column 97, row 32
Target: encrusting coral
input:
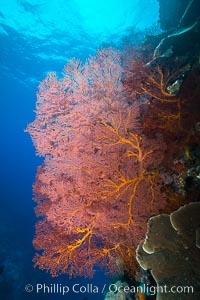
column 171, row 251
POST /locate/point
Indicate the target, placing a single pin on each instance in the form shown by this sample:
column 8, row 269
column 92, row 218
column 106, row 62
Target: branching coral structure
column 100, row 180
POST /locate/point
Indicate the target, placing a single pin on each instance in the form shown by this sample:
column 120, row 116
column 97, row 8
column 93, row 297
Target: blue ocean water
column 38, row 36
